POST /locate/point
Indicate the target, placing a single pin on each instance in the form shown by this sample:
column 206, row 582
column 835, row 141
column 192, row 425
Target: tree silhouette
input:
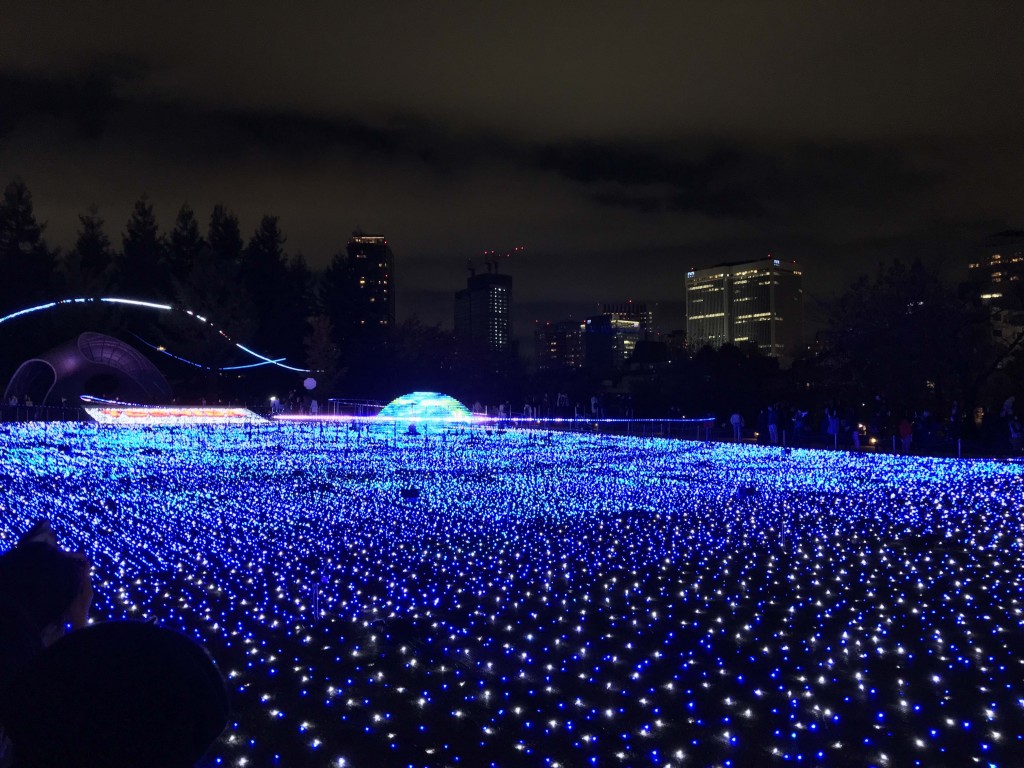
column 211, row 291
column 300, row 285
column 224, row 236
column 29, row 276
column 906, row 336
column 89, row 263
column 184, row 244
column 322, row 354
column 265, row 275
column 142, row 271
column 419, row 357
column 337, row 299
column 26, row 262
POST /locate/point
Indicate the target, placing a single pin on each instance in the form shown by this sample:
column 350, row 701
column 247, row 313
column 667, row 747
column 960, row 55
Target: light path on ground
column 520, row 598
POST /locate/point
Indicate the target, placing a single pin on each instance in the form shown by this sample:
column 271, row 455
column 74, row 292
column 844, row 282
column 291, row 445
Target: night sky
column 621, row 143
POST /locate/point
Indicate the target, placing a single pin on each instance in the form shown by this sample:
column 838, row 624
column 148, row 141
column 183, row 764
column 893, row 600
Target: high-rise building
column 559, row 345
column 371, row 289
column 997, row 280
column 758, row 302
column 631, row 310
column 609, row 342
column 999, row 277
column 483, row 312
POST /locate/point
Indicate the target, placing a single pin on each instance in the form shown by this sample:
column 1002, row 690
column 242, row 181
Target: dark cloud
column 84, row 102
column 85, row 98
column 94, row 99
column 719, row 179
column 293, row 133
column 715, row 178
column 654, row 178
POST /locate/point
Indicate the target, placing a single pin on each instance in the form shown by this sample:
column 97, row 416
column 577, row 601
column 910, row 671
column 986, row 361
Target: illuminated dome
column 425, row 406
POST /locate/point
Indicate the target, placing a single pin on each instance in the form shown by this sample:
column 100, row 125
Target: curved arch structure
column 92, row 364
column 264, row 360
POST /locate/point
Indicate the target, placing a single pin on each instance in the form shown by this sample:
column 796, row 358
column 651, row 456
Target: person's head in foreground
column 43, row 591
column 119, row 695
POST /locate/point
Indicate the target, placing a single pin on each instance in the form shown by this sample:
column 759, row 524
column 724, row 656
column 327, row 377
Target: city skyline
column 622, row 146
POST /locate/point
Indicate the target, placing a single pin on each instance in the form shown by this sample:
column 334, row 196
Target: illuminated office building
column 559, row 345
column 483, row 312
column 631, row 310
column 756, row 302
column 370, row 277
column 997, row 279
column 609, row 342
column 610, row 339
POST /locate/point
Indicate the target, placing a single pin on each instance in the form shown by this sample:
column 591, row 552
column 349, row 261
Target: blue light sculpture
column 425, row 407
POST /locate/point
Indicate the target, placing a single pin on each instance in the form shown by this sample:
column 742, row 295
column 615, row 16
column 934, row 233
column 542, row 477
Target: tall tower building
column 999, row 277
column 758, row 302
column 997, row 282
column 609, row 342
column 370, row 274
column 559, row 346
column 631, row 310
column 483, row 312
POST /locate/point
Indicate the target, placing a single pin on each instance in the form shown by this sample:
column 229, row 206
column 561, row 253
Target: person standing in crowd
column 956, row 422
column 737, row 426
column 905, row 432
column 773, row 424
column 799, row 425
column 1007, row 410
column 832, row 426
column 1016, row 430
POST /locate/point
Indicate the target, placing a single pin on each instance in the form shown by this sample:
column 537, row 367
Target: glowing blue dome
column 425, row 406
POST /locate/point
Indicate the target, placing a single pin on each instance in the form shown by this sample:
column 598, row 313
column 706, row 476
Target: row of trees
column 918, row 342
column 253, row 290
column 903, row 334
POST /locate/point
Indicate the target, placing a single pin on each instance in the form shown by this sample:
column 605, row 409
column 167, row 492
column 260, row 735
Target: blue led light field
column 521, row 599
